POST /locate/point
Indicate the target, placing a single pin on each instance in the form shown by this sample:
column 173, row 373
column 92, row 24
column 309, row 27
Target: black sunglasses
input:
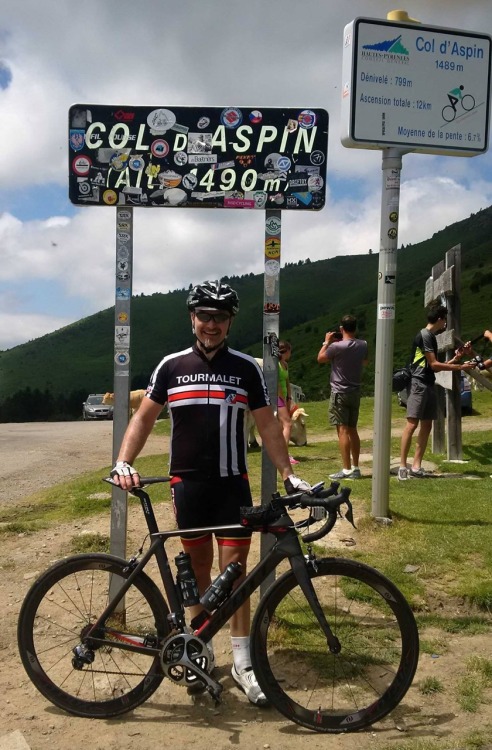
column 218, row 317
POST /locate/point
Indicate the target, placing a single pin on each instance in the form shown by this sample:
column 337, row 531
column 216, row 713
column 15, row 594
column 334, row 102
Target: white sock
column 347, row 471
column 355, row 468
column 240, row 652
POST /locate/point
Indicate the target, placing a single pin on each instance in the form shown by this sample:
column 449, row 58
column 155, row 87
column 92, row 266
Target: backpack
column 402, row 376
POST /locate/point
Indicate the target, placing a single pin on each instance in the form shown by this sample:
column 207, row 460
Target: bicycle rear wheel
column 341, row 692
column 55, row 618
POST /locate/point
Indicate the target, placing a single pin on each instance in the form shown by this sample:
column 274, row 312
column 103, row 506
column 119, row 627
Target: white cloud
column 23, row 327
column 175, row 247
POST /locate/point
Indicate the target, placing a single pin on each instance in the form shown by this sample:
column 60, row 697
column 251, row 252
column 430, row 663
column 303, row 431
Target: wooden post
column 453, row 397
column 438, row 432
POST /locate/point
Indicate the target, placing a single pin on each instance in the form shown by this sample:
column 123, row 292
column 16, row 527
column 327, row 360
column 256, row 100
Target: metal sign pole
column 123, row 164
column 453, row 397
column 385, row 329
column 123, row 296
column 271, row 328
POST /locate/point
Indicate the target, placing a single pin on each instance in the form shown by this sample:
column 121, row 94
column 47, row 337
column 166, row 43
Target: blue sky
column 58, row 260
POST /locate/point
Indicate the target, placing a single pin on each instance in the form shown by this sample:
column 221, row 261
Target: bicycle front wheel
column 448, row 113
column 98, row 680
column 378, row 635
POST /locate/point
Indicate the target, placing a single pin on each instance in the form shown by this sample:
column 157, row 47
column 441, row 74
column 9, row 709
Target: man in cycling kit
column 208, row 388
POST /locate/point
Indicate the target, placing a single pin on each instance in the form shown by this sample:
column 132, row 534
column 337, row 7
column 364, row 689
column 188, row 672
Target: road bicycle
column 334, row 643
column 449, row 112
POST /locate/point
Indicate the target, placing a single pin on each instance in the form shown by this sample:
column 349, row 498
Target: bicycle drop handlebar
column 327, row 499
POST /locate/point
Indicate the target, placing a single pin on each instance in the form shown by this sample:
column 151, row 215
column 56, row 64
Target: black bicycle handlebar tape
column 321, row 532
column 325, row 499
column 331, row 505
column 296, row 497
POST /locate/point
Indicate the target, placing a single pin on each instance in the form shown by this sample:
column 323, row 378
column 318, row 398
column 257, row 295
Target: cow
column 135, row 399
column 297, row 434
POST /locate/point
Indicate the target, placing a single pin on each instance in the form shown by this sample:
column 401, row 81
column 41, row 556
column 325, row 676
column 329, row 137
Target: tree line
column 35, row 405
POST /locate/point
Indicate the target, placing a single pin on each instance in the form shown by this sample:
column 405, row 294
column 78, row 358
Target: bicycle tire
column 53, row 619
column 343, row 692
column 470, row 102
column 449, row 116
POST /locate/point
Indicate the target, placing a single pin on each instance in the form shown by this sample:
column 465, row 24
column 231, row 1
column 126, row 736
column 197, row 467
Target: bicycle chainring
column 183, row 657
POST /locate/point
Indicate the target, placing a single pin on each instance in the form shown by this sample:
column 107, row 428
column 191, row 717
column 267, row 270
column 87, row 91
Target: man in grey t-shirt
column 347, row 355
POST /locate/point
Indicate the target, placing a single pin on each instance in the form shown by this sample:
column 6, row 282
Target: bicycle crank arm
column 212, row 687
column 185, row 659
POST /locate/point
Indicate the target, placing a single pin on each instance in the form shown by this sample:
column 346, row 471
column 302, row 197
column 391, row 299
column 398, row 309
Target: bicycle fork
column 301, row 573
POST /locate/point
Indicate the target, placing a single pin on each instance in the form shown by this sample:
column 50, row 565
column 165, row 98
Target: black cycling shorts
column 211, row 502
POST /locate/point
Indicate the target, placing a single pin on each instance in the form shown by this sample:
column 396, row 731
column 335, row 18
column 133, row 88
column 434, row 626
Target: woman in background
column 284, row 399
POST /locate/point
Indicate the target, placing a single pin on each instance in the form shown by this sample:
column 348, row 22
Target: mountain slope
column 66, row 365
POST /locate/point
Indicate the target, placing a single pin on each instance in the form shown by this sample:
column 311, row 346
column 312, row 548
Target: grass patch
column 438, row 646
column 474, row 741
column 480, row 594
column 21, row 527
column 472, row 688
column 469, row 624
column 431, row 685
column 74, row 500
column 90, row 543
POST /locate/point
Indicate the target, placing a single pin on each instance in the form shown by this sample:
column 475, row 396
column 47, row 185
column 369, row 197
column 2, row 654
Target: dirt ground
column 38, row 455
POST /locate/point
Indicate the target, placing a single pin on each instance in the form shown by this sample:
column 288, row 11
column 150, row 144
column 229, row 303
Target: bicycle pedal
column 216, row 694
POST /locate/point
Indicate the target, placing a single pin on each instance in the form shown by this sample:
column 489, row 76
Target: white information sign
column 419, row 88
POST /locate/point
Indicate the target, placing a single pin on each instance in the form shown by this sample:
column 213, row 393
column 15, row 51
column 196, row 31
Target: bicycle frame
column 287, row 546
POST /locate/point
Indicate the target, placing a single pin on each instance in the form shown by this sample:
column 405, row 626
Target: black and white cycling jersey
column 207, row 401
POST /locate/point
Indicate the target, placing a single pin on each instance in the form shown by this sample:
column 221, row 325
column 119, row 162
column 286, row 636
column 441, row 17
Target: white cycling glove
column 295, row 484
column 123, row 469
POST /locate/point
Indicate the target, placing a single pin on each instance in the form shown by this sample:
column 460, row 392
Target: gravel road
column 36, row 455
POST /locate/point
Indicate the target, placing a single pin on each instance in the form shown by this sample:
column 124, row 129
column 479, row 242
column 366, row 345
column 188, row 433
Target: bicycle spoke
column 99, row 678
column 327, row 691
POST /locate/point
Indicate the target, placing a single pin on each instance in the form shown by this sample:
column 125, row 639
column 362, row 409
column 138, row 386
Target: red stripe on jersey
column 188, row 394
column 184, row 395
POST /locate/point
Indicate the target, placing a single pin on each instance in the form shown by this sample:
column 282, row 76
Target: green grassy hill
column 66, row 365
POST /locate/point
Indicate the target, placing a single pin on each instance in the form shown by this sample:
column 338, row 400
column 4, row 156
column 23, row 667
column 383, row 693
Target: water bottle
column 186, row 579
column 220, row 589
